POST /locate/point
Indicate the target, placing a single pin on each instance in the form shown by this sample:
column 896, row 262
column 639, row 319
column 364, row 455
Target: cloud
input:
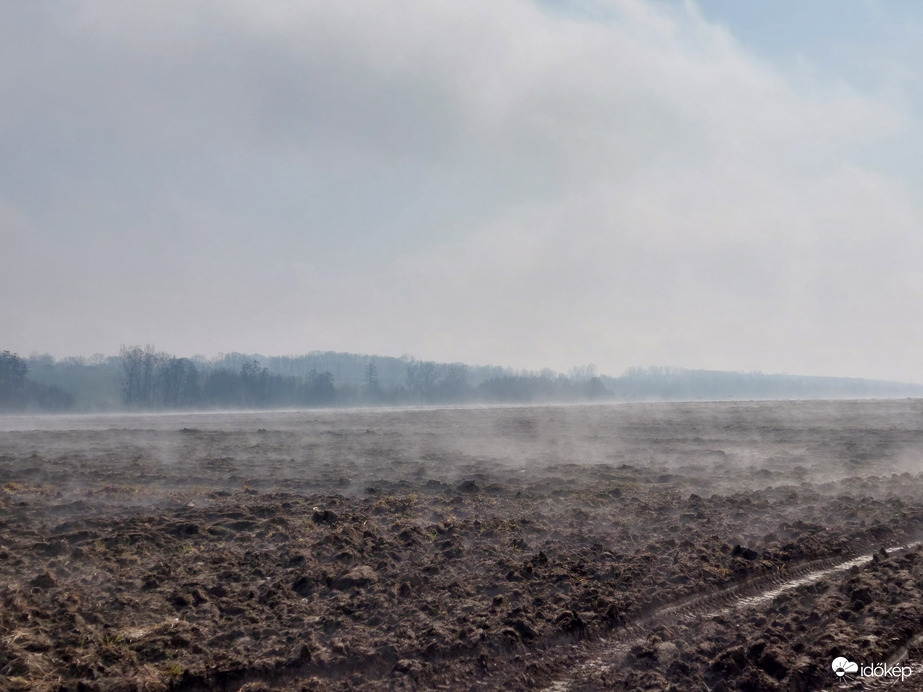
column 491, row 182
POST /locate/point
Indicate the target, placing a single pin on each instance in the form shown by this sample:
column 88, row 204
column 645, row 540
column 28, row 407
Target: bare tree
column 130, row 373
column 13, row 371
column 422, row 377
column 371, row 380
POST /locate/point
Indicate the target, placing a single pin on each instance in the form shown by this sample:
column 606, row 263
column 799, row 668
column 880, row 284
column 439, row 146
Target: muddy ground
column 587, row 547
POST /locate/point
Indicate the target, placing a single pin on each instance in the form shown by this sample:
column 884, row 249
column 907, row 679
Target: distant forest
column 142, row 378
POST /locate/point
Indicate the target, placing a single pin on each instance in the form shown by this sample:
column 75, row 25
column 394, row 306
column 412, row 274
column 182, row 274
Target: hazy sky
column 710, row 184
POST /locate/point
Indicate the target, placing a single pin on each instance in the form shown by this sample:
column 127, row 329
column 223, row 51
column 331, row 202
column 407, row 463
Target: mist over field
column 528, row 345
column 588, row 546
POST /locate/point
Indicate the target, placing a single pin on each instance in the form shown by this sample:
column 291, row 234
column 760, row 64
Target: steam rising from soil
column 468, row 548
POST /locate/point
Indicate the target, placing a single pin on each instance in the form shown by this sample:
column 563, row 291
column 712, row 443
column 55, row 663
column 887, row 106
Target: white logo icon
column 842, row 665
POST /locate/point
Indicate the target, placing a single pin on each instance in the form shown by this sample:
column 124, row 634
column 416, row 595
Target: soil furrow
column 715, row 546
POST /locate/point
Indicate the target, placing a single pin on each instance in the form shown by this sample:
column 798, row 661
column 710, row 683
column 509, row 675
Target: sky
column 701, row 184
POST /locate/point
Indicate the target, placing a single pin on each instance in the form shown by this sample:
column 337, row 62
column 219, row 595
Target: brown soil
column 459, row 549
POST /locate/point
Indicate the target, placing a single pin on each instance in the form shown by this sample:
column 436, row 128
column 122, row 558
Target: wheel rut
column 603, row 655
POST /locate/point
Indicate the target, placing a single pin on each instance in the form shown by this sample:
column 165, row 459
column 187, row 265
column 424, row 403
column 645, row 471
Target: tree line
column 143, row 378
column 672, row 384
column 20, row 393
column 156, row 380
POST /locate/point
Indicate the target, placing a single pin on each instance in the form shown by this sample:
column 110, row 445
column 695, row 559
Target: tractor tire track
column 605, row 654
